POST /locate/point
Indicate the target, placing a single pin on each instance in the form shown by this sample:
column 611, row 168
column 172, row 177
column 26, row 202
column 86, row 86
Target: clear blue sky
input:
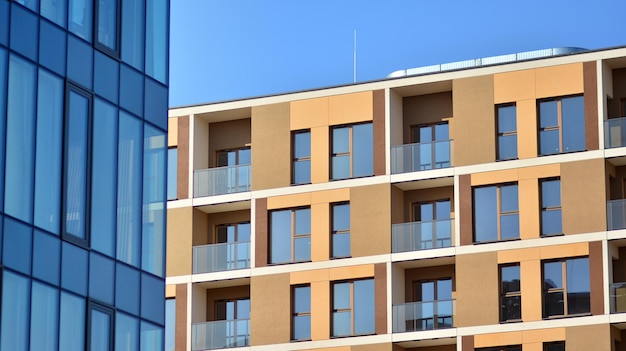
column 232, row 49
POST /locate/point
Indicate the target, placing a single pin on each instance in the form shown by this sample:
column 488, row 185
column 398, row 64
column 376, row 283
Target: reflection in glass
column 172, row 173
column 154, row 168
column 71, row 323
column 156, row 39
column 341, row 230
column 551, row 222
column 46, row 257
column 132, row 33
column 170, row 324
column 578, row 286
column 44, row 316
column 99, row 331
column 15, row 304
column 485, row 214
column 363, row 150
column 126, row 332
column 280, row 236
column 302, row 157
column 107, row 23
column 302, row 313
column 507, row 132
column 80, row 14
column 54, row 10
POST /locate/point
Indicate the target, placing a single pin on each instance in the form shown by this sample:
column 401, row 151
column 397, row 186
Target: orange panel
column 567, row 250
column 329, row 196
column 530, row 276
column 528, row 190
column 320, row 311
column 305, row 114
column 320, row 154
column 498, row 339
column 286, row 201
column 543, row 335
column 320, row 229
column 559, row 80
column 518, row 255
column 495, row 177
column 352, row 272
column 172, row 131
column 513, row 86
column 303, row 277
column 527, row 129
column 351, row 108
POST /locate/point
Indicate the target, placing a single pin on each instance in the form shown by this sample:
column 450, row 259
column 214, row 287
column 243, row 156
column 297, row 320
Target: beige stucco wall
column 270, row 310
column 583, row 196
column 477, row 289
column 271, row 145
column 370, row 219
column 179, row 237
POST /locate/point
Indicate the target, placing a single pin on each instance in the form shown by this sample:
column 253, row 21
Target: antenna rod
column 355, row 56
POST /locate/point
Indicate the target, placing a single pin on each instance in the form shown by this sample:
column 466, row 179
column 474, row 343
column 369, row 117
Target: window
column 100, row 328
column 561, row 125
column 507, row 132
column 434, row 146
column 233, row 157
column 341, row 230
column 434, row 228
column 156, row 39
column 352, row 151
column 237, row 327
column 496, row 213
column 236, row 255
column 566, row 288
column 501, row 348
column 301, row 159
column 172, row 173
column 510, row 293
column 554, row 346
column 290, row 235
column 435, row 297
column 107, row 26
column 301, row 313
column 551, row 223
column 353, row 308
column 170, row 324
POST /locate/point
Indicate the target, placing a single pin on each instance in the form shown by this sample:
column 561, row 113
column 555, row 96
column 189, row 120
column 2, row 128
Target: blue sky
column 232, row 49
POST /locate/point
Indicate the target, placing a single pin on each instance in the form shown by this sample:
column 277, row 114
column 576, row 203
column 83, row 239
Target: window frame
column 564, row 281
column 334, row 232
column 509, row 294
column 499, row 212
column 295, row 160
column 113, row 52
column 500, row 135
column 545, row 208
column 295, row 314
column 350, row 152
column 558, row 127
column 547, row 346
column 293, row 235
column 93, row 305
column 350, row 309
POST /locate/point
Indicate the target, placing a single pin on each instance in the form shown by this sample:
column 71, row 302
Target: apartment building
column 83, row 147
column 469, row 206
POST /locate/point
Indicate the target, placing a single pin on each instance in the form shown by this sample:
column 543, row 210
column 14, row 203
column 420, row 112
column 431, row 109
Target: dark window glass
column 4, row 22
column 153, row 234
column 496, row 213
column 52, row 47
column 24, row 30
column 156, row 103
column 551, row 222
column 107, row 15
column 46, row 257
column 341, row 230
column 103, row 177
column 170, row 325
column 566, row 287
column 578, row 286
column 301, row 322
column 151, row 337
column 156, row 39
column 101, row 283
column 302, row 157
column 507, row 132
column 127, row 289
column 106, row 76
column 72, row 323
column 352, row 151
column 132, row 33
column 44, row 317
column 510, row 293
column 353, row 308
column 129, row 166
column 100, row 328
column 49, row 152
column 554, row 346
column 74, row 263
column 290, row 235
column 80, row 18
column 152, row 299
column 17, row 245
column 79, row 61
column 126, row 332
column 18, row 197
column 55, row 11
column 131, row 90
column 562, row 125
column 172, row 173
column 15, row 312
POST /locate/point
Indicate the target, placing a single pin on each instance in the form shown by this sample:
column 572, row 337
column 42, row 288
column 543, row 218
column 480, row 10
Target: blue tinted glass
column 153, row 228
column 302, row 145
column 79, row 61
column 341, row 296
column 507, row 147
column 20, row 139
column 508, row 198
column 3, row 97
column 101, row 283
column 302, row 249
column 46, row 257
column 104, row 171
column 172, row 173
column 551, row 222
column 553, row 275
column 131, row 90
column 80, row 18
column 548, row 114
column 341, row 217
column 302, row 299
column 551, row 193
column 52, row 47
column 76, row 148
column 364, row 306
column 106, row 76
column 578, row 285
column 74, row 263
column 44, row 318
column 280, row 236
column 340, row 167
column 153, row 298
column 573, row 124
column 100, row 331
column 106, row 28
column 151, row 337
column 425, row 134
column 156, row 39
column 132, row 33
column 507, row 119
column 485, row 214
column 341, row 245
column 24, row 30
column 549, row 142
column 31, row 4
column 301, row 327
column 443, row 209
column 510, row 277
column 129, row 165
column 341, row 140
column 17, row 245
column 49, row 149
column 303, row 221
column 72, row 323
column 170, row 325
column 302, row 172
column 15, row 311
column 509, row 227
column 4, row 22
column 126, row 333
column 342, row 323
column 442, row 132
column 54, row 10
column 362, row 150
column 444, row 289
column 127, row 289
column 156, row 107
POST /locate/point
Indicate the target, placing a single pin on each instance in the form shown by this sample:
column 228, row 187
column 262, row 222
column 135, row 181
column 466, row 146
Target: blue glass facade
column 83, row 152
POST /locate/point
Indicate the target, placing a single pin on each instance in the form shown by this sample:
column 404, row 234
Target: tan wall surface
column 270, row 310
column 370, row 218
column 474, row 121
column 596, row 264
column 261, row 246
column 588, row 337
column 379, row 132
column 425, row 109
column 380, row 293
column 397, row 205
column 434, row 348
column 372, row 347
column 465, row 210
column 179, row 236
column 227, row 135
column 583, row 211
column 182, row 172
column 477, row 289
column 172, row 132
column 529, row 339
column 271, row 147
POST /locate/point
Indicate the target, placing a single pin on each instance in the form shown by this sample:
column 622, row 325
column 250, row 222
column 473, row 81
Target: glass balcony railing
column 220, row 334
column 616, row 214
column 221, row 180
column 421, row 156
column 221, row 257
column 427, row 315
column 615, row 132
column 421, row 235
column 617, row 293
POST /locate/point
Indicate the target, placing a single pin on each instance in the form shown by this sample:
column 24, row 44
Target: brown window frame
column 294, row 159
column 509, row 293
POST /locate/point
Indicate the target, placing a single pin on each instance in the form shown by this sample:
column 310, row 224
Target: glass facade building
column 83, row 135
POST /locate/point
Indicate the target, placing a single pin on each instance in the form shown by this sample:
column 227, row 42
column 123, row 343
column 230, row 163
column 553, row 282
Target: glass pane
column 302, row 145
column 244, row 156
column 44, row 316
column 17, row 245
column 172, row 173
column 302, row 299
column 341, row 167
column 80, row 14
column 101, row 283
column 444, row 289
column 507, row 119
column 243, row 232
column 100, row 329
column 425, row 134
column 20, row 142
column 127, row 288
column 107, row 23
column 485, row 214
column 442, row 132
column 303, row 221
column 423, row 212
column 364, row 306
column 426, row 291
column 131, row 90
column 509, row 227
column 280, row 236
column 46, row 257
column 31, row 4
column 127, row 333
column 154, row 168
column 302, row 327
column 74, row 263
column 302, row 172
column 549, row 142
column 15, row 305
column 511, row 308
column 341, row 245
column 79, row 61
column 243, row 309
column 151, row 337
column 76, row 165
column 508, row 198
column 443, row 209
column 341, row 296
column 52, row 47
column 507, row 147
column 555, row 346
column 152, row 298
column 302, row 249
column 341, row 217
column 342, row 323
column 578, row 286
column 72, row 323
column 3, row 102
column 54, row 10
column 4, row 22
column 551, row 222
column 24, row 30
column 552, row 275
column 551, row 193
column 155, row 105
column 510, row 276
column 341, row 140
column 573, row 124
column 156, row 39
column 553, row 304
column 363, row 150
column 170, row 324
column 132, row 33
column 548, row 114
column 49, row 152
column 106, row 76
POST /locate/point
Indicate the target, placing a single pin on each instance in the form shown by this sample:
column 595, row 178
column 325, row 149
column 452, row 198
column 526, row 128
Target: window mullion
column 498, row 212
column 293, row 235
column 564, row 278
column 352, row 308
column 350, row 153
column 559, row 108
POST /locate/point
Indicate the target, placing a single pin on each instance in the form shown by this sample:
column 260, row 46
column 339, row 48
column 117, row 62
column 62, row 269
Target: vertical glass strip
column 72, row 323
column 100, row 331
column 151, row 337
column 133, row 33
column 44, row 316
column 15, row 303
column 80, row 18
column 3, row 110
column 107, row 11
column 156, row 39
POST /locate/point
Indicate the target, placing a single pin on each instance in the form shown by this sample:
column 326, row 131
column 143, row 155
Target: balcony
column 418, row 316
column 616, row 214
column 614, row 135
column 423, row 235
column 220, row 334
column 221, row 180
column 221, row 257
column 421, row 156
